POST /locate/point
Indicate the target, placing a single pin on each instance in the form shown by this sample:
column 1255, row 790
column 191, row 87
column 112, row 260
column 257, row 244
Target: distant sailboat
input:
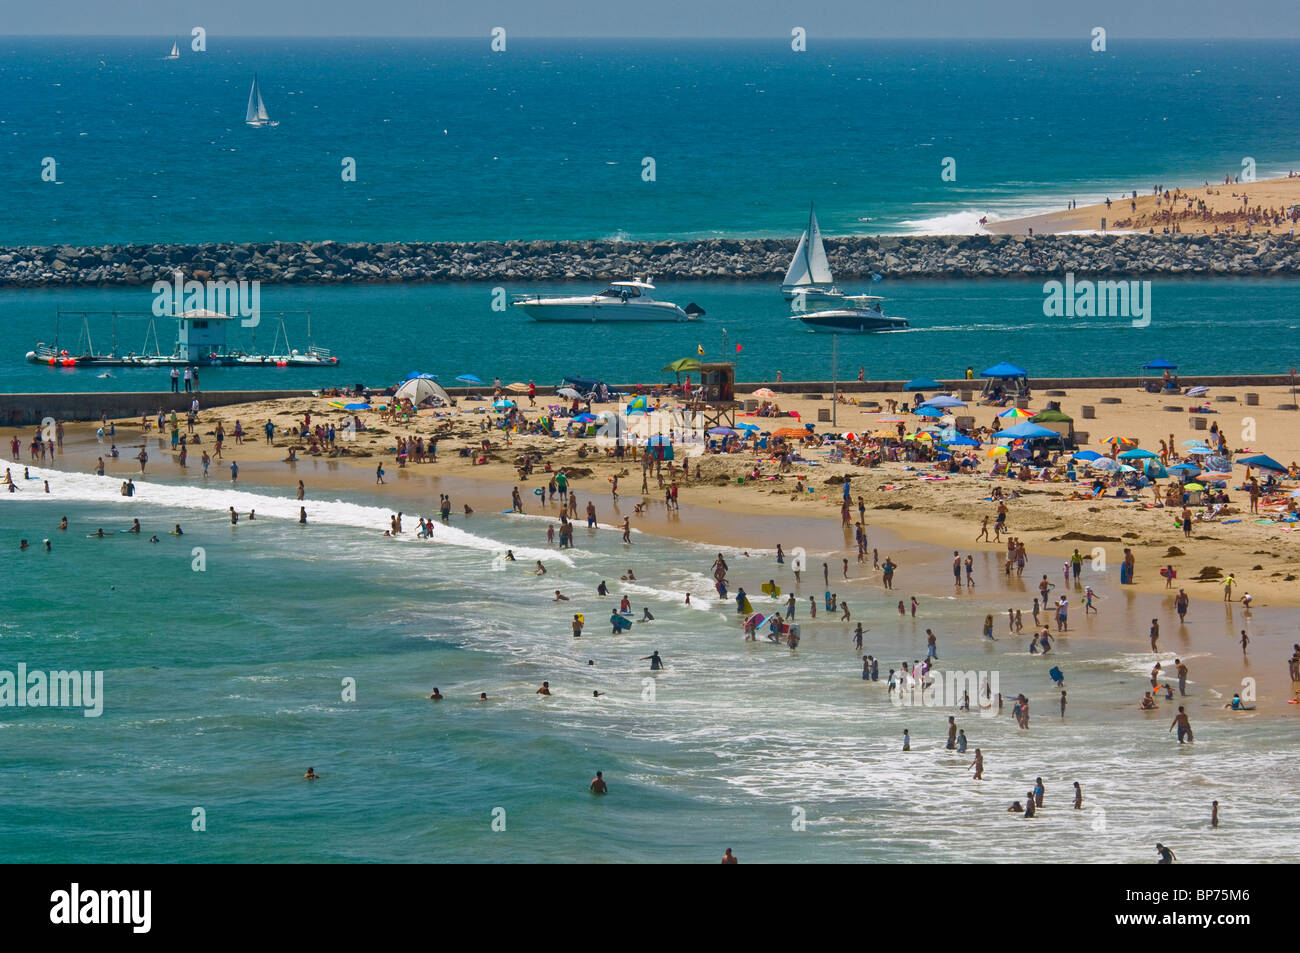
column 175, row 54
column 809, row 275
column 256, row 114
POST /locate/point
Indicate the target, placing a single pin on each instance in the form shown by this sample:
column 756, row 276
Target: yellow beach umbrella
column 997, row 452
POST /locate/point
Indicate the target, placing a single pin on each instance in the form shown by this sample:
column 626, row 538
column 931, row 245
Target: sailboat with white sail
column 809, row 276
column 175, row 54
column 256, row 114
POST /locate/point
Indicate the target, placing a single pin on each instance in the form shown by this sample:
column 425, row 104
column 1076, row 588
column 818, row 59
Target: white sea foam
column 88, row 488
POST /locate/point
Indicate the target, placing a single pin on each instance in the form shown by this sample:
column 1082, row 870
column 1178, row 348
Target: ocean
column 381, row 333
column 547, row 140
column 234, row 658
column 222, row 686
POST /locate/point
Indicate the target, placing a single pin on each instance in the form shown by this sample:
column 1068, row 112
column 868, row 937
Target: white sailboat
column 809, row 276
column 256, row 114
column 175, row 54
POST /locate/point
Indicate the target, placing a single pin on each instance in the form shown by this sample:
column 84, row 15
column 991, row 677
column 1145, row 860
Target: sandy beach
column 1256, row 208
column 899, row 496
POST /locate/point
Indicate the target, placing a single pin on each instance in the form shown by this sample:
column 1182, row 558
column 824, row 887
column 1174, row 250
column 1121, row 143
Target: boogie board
column 771, row 589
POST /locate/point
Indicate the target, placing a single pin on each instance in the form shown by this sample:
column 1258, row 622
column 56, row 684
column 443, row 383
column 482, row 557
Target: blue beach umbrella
column 1137, row 453
column 929, row 412
column 1201, row 451
column 1188, row 467
column 1262, row 461
column 416, row 374
column 1004, row 370
column 943, row 400
column 922, row 383
column 1087, row 455
column 469, row 379
column 585, row 418
column 1025, row 432
column 961, row 440
column 746, row 427
column 504, row 404
column 721, row 432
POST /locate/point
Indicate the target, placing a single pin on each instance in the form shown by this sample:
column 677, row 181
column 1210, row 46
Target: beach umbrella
column 1125, row 443
column 922, row 383
column 1105, row 463
column 517, row 388
column 1193, row 443
column 1193, row 486
column 943, row 400
column 1189, row 467
column 585, row 418
column 790, row 432
column 1016, row 413
column 414, row 374
column 1199, row 391
column 1137, row 453
column 961, row 440
column 746, row 427
column 1004, row 370
column 1201, row 452
column 850, row 435
column 1263, row 462
column 1025, row 432
column 721, row 432
column 1218, row 464
column 1087, row 455
column 765, row 393
column 889, row 419
column 1159, row 364
column 682, row 365
column 997, row 452
column 929, row 412
column 568, row 392
column 469, row 379
column 503, row 405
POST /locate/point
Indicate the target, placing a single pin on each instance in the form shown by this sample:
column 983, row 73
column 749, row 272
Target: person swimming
column 135, row 527
column 178, row 531
column 311, row 775
column 435, row 695
column 645, row 614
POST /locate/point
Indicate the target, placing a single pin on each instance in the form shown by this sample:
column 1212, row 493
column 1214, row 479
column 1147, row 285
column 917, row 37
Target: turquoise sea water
column 547, row 139
column 381, row 333
column 221, row 686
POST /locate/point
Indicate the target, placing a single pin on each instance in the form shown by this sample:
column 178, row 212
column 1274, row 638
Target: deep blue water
column 547, row 140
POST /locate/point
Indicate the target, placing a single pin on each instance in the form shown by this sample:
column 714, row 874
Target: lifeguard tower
column 201, row 335
column 714, row 401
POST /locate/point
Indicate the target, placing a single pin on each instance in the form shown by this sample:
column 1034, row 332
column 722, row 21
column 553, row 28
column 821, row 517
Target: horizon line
column 775, row 37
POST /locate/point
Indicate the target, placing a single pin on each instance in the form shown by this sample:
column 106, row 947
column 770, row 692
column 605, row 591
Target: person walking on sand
column 1228, row 582
column 984, row 530
column 1155, row 634
column 379, row 474
column 1181, row 602
column 1245, row 641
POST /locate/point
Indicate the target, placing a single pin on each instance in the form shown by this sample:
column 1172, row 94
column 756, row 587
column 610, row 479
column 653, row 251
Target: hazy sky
column 1174, row 19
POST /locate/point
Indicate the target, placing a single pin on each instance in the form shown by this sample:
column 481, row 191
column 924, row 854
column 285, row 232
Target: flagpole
column 835, row 381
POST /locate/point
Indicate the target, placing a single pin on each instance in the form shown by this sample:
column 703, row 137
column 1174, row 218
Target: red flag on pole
column 737, row 348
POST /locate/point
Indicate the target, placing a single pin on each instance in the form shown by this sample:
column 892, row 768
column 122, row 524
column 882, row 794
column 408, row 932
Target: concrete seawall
column 20, row 410
column 921, row 256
